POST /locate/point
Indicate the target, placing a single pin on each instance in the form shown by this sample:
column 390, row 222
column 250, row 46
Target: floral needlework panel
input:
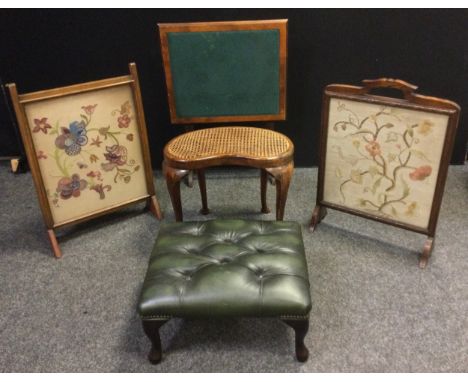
column 383, row 160
column 89, row 151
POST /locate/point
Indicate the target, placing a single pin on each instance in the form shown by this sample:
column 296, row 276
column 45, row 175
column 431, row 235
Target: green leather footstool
column 227, row 268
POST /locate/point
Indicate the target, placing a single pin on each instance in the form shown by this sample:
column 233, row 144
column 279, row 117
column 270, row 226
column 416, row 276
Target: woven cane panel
column 240, row 141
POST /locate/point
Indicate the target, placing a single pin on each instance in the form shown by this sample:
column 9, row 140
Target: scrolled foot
column 317, row 215
column 302, row 353
column 154, row 356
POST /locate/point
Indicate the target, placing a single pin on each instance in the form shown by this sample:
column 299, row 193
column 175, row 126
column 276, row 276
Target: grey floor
column 373, row 308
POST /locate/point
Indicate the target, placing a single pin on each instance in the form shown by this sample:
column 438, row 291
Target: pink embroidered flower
column 68, row 187
column 116, row 155
column 94, row 174
column 124, row 121
column 89, row 109
column 41, row 155
column 373, row 148
column 41, row 125
column 421, row 173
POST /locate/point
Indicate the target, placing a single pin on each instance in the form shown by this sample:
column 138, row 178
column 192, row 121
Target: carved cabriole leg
column 263, row 190
column 54, row 243
column 154, row 208
column 202, row 184
column 151, row 329
column 426, row 253
column 173, row 177
column 300, row 328
column 319, row 213
column 282, row 177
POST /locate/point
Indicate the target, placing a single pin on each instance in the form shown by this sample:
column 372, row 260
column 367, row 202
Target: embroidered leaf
column 376, row 185
column 394, row 211
column 388, row 125
column 420, row 154
column 84, row 117
column 406, row 189
column 373, row 171
column 410, row 131
column 356, row 176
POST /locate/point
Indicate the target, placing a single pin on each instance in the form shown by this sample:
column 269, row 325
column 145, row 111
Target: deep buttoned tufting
column 227, row 268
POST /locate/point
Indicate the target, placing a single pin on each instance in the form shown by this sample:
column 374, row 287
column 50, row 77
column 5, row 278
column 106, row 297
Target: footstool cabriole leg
column 263, row 190
column 151, row 329
column 300, row 328
column 282, row 176
column 202, row 185
column 173, row 177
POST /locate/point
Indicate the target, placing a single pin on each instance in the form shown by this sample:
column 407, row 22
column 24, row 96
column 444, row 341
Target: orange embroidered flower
column 373, row 148
column 421, row 173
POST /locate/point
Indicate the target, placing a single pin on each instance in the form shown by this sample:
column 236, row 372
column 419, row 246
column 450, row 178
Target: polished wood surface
column 412, row 101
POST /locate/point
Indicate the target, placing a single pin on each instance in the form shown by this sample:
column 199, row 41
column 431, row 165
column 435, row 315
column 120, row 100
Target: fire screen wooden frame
column 385, row 158
column 87, row 148
column 211, row 45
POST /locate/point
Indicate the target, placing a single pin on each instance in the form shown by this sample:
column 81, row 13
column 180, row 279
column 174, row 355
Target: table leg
column 202, row 184
column 173, row 177
column 282, row 177
column 263, row 190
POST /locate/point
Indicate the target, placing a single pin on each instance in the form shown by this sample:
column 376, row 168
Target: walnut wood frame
column 281, row 25
column 412, row 101
column 19, row 100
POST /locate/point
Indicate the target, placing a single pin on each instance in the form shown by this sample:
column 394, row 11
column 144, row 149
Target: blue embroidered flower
column 72, row 138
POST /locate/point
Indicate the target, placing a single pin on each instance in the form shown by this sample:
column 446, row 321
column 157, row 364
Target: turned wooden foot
column 282, row 177
column 263, row 191
column 426, row 253
column 300, row 328
column 319, row 213
column 54, row 243
column 151, row 329
column 202, row 185
column 173, row 177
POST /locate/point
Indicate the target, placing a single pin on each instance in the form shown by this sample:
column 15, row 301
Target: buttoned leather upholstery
column 227, row 268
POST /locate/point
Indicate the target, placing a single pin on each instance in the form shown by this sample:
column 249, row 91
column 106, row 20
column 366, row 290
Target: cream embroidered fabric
column 89, row 151
column 383, row 160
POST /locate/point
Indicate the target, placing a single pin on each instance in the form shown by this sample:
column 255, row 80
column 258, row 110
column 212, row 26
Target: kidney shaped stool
column 227, row 268
column 268, row 150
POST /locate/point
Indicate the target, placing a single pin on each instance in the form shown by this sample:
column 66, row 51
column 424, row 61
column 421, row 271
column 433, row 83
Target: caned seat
column 229, row 142
column 268, row 150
